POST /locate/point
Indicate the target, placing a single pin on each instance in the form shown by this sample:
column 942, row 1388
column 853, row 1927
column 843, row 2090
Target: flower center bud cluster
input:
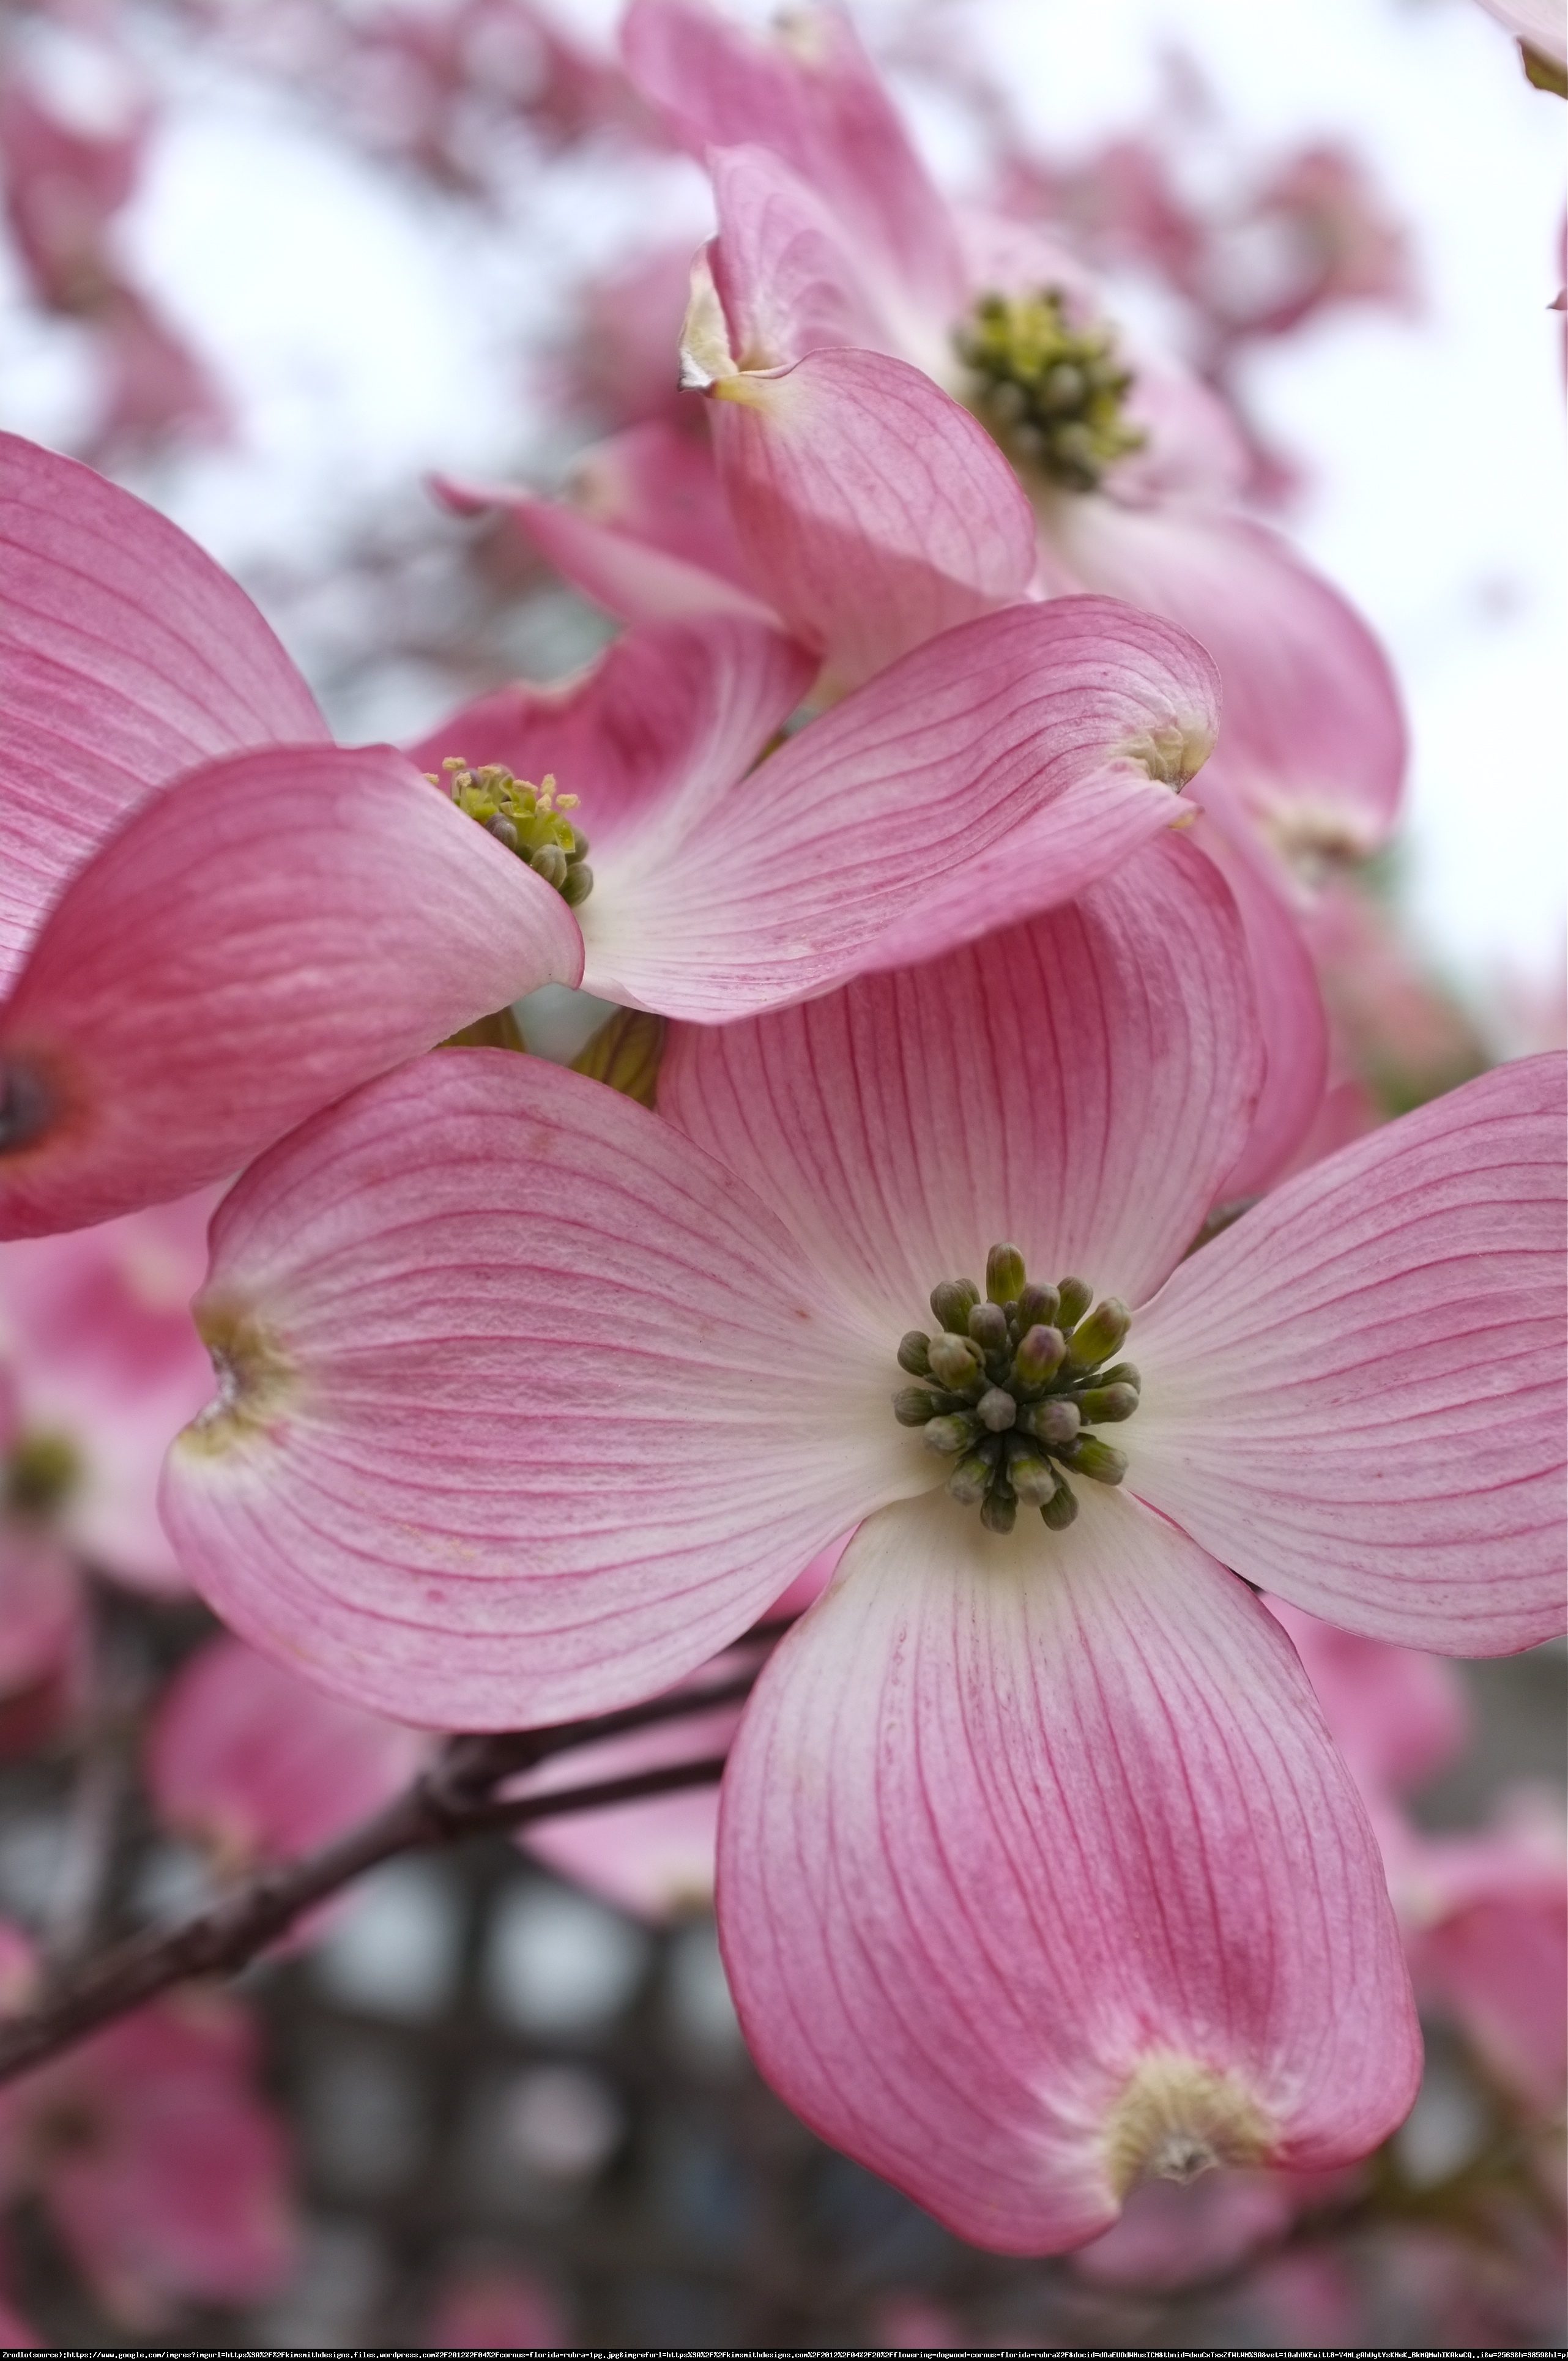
column 40, row 1472
column 529, row 821
column 1012, row 1386
column 1051, row 393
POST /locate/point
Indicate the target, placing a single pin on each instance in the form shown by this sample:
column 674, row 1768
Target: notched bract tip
column 1174, row 753
column 256, row 1381
column 1177, row 2118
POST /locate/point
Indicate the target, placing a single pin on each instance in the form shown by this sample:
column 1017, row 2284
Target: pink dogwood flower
column 846, row 304
column 163, row 2172
column 267, row 928
column 1038, row 1870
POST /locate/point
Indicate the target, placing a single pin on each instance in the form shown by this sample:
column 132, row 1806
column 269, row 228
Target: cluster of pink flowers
column 955, row 799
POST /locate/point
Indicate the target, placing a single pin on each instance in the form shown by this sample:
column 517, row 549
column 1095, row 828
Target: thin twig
column 115, row 1684
column 455, row 1796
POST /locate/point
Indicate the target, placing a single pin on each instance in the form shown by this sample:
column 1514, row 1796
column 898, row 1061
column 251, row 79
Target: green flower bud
column 1100, row 1461
column 999, row 1513
column 1064, row 386
column 549, row 863
column 1123, row 1373
column 1108, row 1405
column 970, row 1479
column 996, row 1409
column 952, row 1434
column 1036, row 1307
column 1040, row 1355
column 914, row 1353
column 1077, row 1295
column 577, row 884
column 1004, row 1274
column 988, row 1326
column 1060, row 1510
column 1054, row 1422
column 1095, row 1339
column 913, row 1405
column 954, row 1361
column 952, row 1303
column 1032, row 1478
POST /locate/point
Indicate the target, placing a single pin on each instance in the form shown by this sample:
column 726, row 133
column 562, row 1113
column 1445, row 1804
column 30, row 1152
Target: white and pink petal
column 1077, row 1085
column 250, row 944
column 874, row 508
column 1355, row 1395
column 1003, row 767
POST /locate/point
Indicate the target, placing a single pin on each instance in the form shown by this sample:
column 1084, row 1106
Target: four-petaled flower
column 1038, row 1870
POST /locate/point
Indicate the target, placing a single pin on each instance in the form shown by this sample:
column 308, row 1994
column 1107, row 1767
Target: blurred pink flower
column 258, row 1767
column 1028, row 1886
column 1484, row 1915
column 66, row 180
column 16, row 2335
column 96, row 1337
column 164, row 2173
column 903, row 2322
column 1485, row 1921
column 496, row 2309
column 1395, row 1030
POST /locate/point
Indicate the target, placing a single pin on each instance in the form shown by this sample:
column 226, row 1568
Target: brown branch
column 455, row 1796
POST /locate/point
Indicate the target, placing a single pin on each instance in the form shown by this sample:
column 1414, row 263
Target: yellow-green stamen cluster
column 1051, row 393
column 1012, row 1384
column 529, row 821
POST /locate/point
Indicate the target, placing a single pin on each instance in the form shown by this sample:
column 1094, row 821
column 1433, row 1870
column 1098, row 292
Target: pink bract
column 1004, row 765
column 938, row 1940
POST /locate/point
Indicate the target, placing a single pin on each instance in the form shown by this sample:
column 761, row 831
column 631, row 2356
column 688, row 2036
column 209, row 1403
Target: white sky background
column 367, row 336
